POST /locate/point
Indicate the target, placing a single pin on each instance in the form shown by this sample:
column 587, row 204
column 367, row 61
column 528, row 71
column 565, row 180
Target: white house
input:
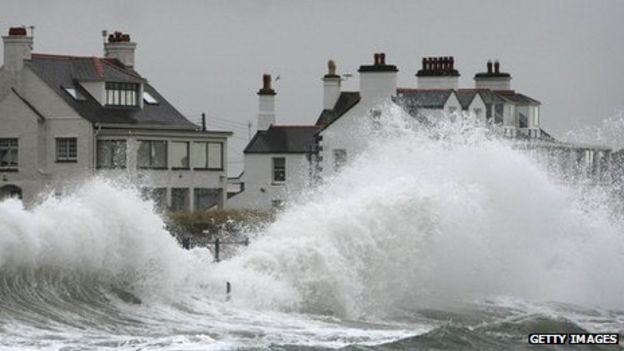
column 277, row 160
column 492, row 100
column 65, row 118
column 280, row 161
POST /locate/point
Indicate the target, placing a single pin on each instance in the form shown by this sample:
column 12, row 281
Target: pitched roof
column 465, row 97
column 345, row 102
column 29, row 105
column 423, row 98
column 516, row 97
column 283, row 139
column 60, row 72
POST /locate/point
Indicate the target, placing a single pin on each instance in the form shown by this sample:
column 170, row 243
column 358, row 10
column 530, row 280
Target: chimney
column 493, row 80
column 119, row 46
column 331, row 86
column 266, row 104
column 438, row 73
column 17, row 48
column 378, row 81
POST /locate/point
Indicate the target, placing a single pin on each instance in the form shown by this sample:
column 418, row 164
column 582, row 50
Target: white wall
column 260, row 190
column 478, row 104
column 438, row 82
column 493, row 83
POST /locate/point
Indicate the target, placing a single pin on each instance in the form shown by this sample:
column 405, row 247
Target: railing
column 217, row 246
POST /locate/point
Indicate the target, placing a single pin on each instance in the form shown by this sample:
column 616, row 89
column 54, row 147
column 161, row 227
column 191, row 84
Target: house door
column 10, row 191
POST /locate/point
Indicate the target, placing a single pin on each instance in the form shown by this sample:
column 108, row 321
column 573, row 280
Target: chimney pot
column 17, row 31
column 489, row 66
column 120, row 47
column 331, row 68
column 266, row 81
column 382, row 58
column 452, row 61
column 496, row 67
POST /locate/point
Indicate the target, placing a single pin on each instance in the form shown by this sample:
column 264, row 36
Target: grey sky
column 208, row 56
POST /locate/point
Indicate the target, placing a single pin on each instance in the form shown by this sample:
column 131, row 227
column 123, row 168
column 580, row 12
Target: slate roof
column 517, row 97
column 423, row 98
column 60, row 72
column 345, row 102
column 283, row 139
column 465, row 97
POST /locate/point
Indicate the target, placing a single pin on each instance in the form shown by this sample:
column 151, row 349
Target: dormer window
column 149, row 99
column 121, row 94
column 75, row 94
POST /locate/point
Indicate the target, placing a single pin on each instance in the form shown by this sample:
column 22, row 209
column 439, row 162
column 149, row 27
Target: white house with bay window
column 64, row 119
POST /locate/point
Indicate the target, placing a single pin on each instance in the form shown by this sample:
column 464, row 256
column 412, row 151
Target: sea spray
column 429, row 216
column 434, row 215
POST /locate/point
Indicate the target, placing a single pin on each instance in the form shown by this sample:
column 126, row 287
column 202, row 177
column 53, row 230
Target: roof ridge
column 107, row 61
column 422, row 89
column 60, row 56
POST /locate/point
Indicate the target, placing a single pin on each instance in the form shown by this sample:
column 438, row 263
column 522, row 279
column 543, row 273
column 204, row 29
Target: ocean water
column 440, row 238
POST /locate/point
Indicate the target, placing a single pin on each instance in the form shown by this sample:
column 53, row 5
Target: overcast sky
column 208, row 56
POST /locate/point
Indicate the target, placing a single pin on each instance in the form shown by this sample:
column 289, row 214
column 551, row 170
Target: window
column 8, row 154
column 149, row 99
column 180, row 199
column 75, row 94
column 340, row 158
column 111, row 154
column 66, row 149
column 158, row 195
column 152, row 154
column 535, row 117
column 179, row 155
column 498, row 113
column 477, row 112
column 523, row 121
column 121, row 94
column 452, row 109
column 279, row 169
column 206, row 198
column 208, row 155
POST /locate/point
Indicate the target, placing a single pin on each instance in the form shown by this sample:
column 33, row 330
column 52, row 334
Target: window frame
column 339, row 165
column 116, row 92
column 68, row 158
column 151, row 160
column 188, row 155
column 207, row 152
column 116, row 142
column 187, row 205
column 274, row 179
column 9, row 148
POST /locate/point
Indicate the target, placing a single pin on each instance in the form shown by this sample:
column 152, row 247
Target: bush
column 216, row 222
